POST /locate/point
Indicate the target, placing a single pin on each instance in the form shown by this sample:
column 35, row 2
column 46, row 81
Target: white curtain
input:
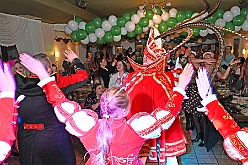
column 24, row 33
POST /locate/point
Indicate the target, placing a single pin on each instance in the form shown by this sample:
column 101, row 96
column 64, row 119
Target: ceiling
column 61, row 11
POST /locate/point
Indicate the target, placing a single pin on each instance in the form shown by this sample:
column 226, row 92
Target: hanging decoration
column 136, row 24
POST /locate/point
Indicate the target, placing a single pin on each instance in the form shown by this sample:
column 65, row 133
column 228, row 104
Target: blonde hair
column 113, row 101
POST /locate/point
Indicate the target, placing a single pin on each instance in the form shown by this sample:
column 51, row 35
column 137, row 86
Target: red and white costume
column 235, row 139
column 129, row 136
column 7, row 135
column 152, row 90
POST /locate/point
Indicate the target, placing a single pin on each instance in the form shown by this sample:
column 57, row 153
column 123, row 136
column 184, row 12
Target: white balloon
column 99, row 33
column 195, row 18
column 173, row 12
column 220, row 22
column 141, row 13
column 165, row 16
column 237, row 28
column 117, row 38
column 67, row 30
column 157, row 19
column 245, row 26
column 235, row 10
column 204, row 15
column 210, row 31
column 150, row 23
column 228, row 16
column 145, row 29
column 135, row 18
column 130, row 26
column 106, row 25
column 73, row 25
column 82, row 25
column 112, row 19
column 203, row 33
column 85, row 41
column 92, row 37
column 123, row 31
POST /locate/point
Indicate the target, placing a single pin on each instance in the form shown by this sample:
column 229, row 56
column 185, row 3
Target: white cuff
column 4, row 150
column 180, row 90
column 8, row 94
column 208, row 100
column 46, row 81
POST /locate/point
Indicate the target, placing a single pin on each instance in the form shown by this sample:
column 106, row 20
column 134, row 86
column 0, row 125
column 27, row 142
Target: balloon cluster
column 138, row 23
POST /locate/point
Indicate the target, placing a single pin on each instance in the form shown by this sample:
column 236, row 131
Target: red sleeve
column 221, row 119
column 174, row 103
column 64, row 81
column 6, row 117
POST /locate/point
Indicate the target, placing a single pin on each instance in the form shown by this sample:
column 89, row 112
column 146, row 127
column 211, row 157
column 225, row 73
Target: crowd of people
column 113, row 110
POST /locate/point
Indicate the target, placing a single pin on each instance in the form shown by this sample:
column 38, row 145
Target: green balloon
column 104, row 19
column 166, row 9
column 78, row 19
column 176, row 40
column 149, row 14
column 74, row 36
column 159, row 11
column 108, row 37
column 188, row 14
column 97, row 22
column 184, row 34
column 132, row 13
column 131, row 34
column 230, row 26
column 212, row 19
column 116, row 30
column 90, row 27
column 144, row 22
column 121, row 22
column 219, row 13
column 196, row 32
column 126, row 16
column 171, row 22
column 239, row 20
column 180, row 16
column 81, row 34
column 244, row 11
column 100, row 41
column 162, row 27
column 138, row 29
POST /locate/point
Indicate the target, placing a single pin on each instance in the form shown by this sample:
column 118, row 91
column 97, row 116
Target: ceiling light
column 81, row 3
column 168, row 3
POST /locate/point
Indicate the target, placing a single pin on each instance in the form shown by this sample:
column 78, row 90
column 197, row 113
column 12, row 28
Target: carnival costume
column 128, row 136
column 42, row 139
column 235, row 139
column 7, row 135
column 152, row 90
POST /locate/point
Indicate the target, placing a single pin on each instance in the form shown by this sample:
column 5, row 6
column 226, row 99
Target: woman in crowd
column 93, row 99
column 118, row 78
column 110, row 140
column 18, row 67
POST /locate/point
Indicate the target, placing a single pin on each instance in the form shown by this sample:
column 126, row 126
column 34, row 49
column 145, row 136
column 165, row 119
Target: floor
column 195, row 155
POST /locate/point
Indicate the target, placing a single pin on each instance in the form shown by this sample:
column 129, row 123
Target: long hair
column 113, row 101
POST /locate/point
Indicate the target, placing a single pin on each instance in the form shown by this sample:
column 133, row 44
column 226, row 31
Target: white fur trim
column 144, row 122
column 180, row 90
column 4, row 150
column 208, row 100
column 231, row 150
column 59, row 115
column 162, row 113
column 20, row 98
column 8, row 94
column 46, row 81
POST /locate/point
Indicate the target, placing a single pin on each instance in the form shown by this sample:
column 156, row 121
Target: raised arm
column 150, row 125
column 78, row 122
column 7, row 88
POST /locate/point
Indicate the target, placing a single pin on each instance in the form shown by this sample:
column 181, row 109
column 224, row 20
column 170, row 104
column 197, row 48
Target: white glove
column 203, row 83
